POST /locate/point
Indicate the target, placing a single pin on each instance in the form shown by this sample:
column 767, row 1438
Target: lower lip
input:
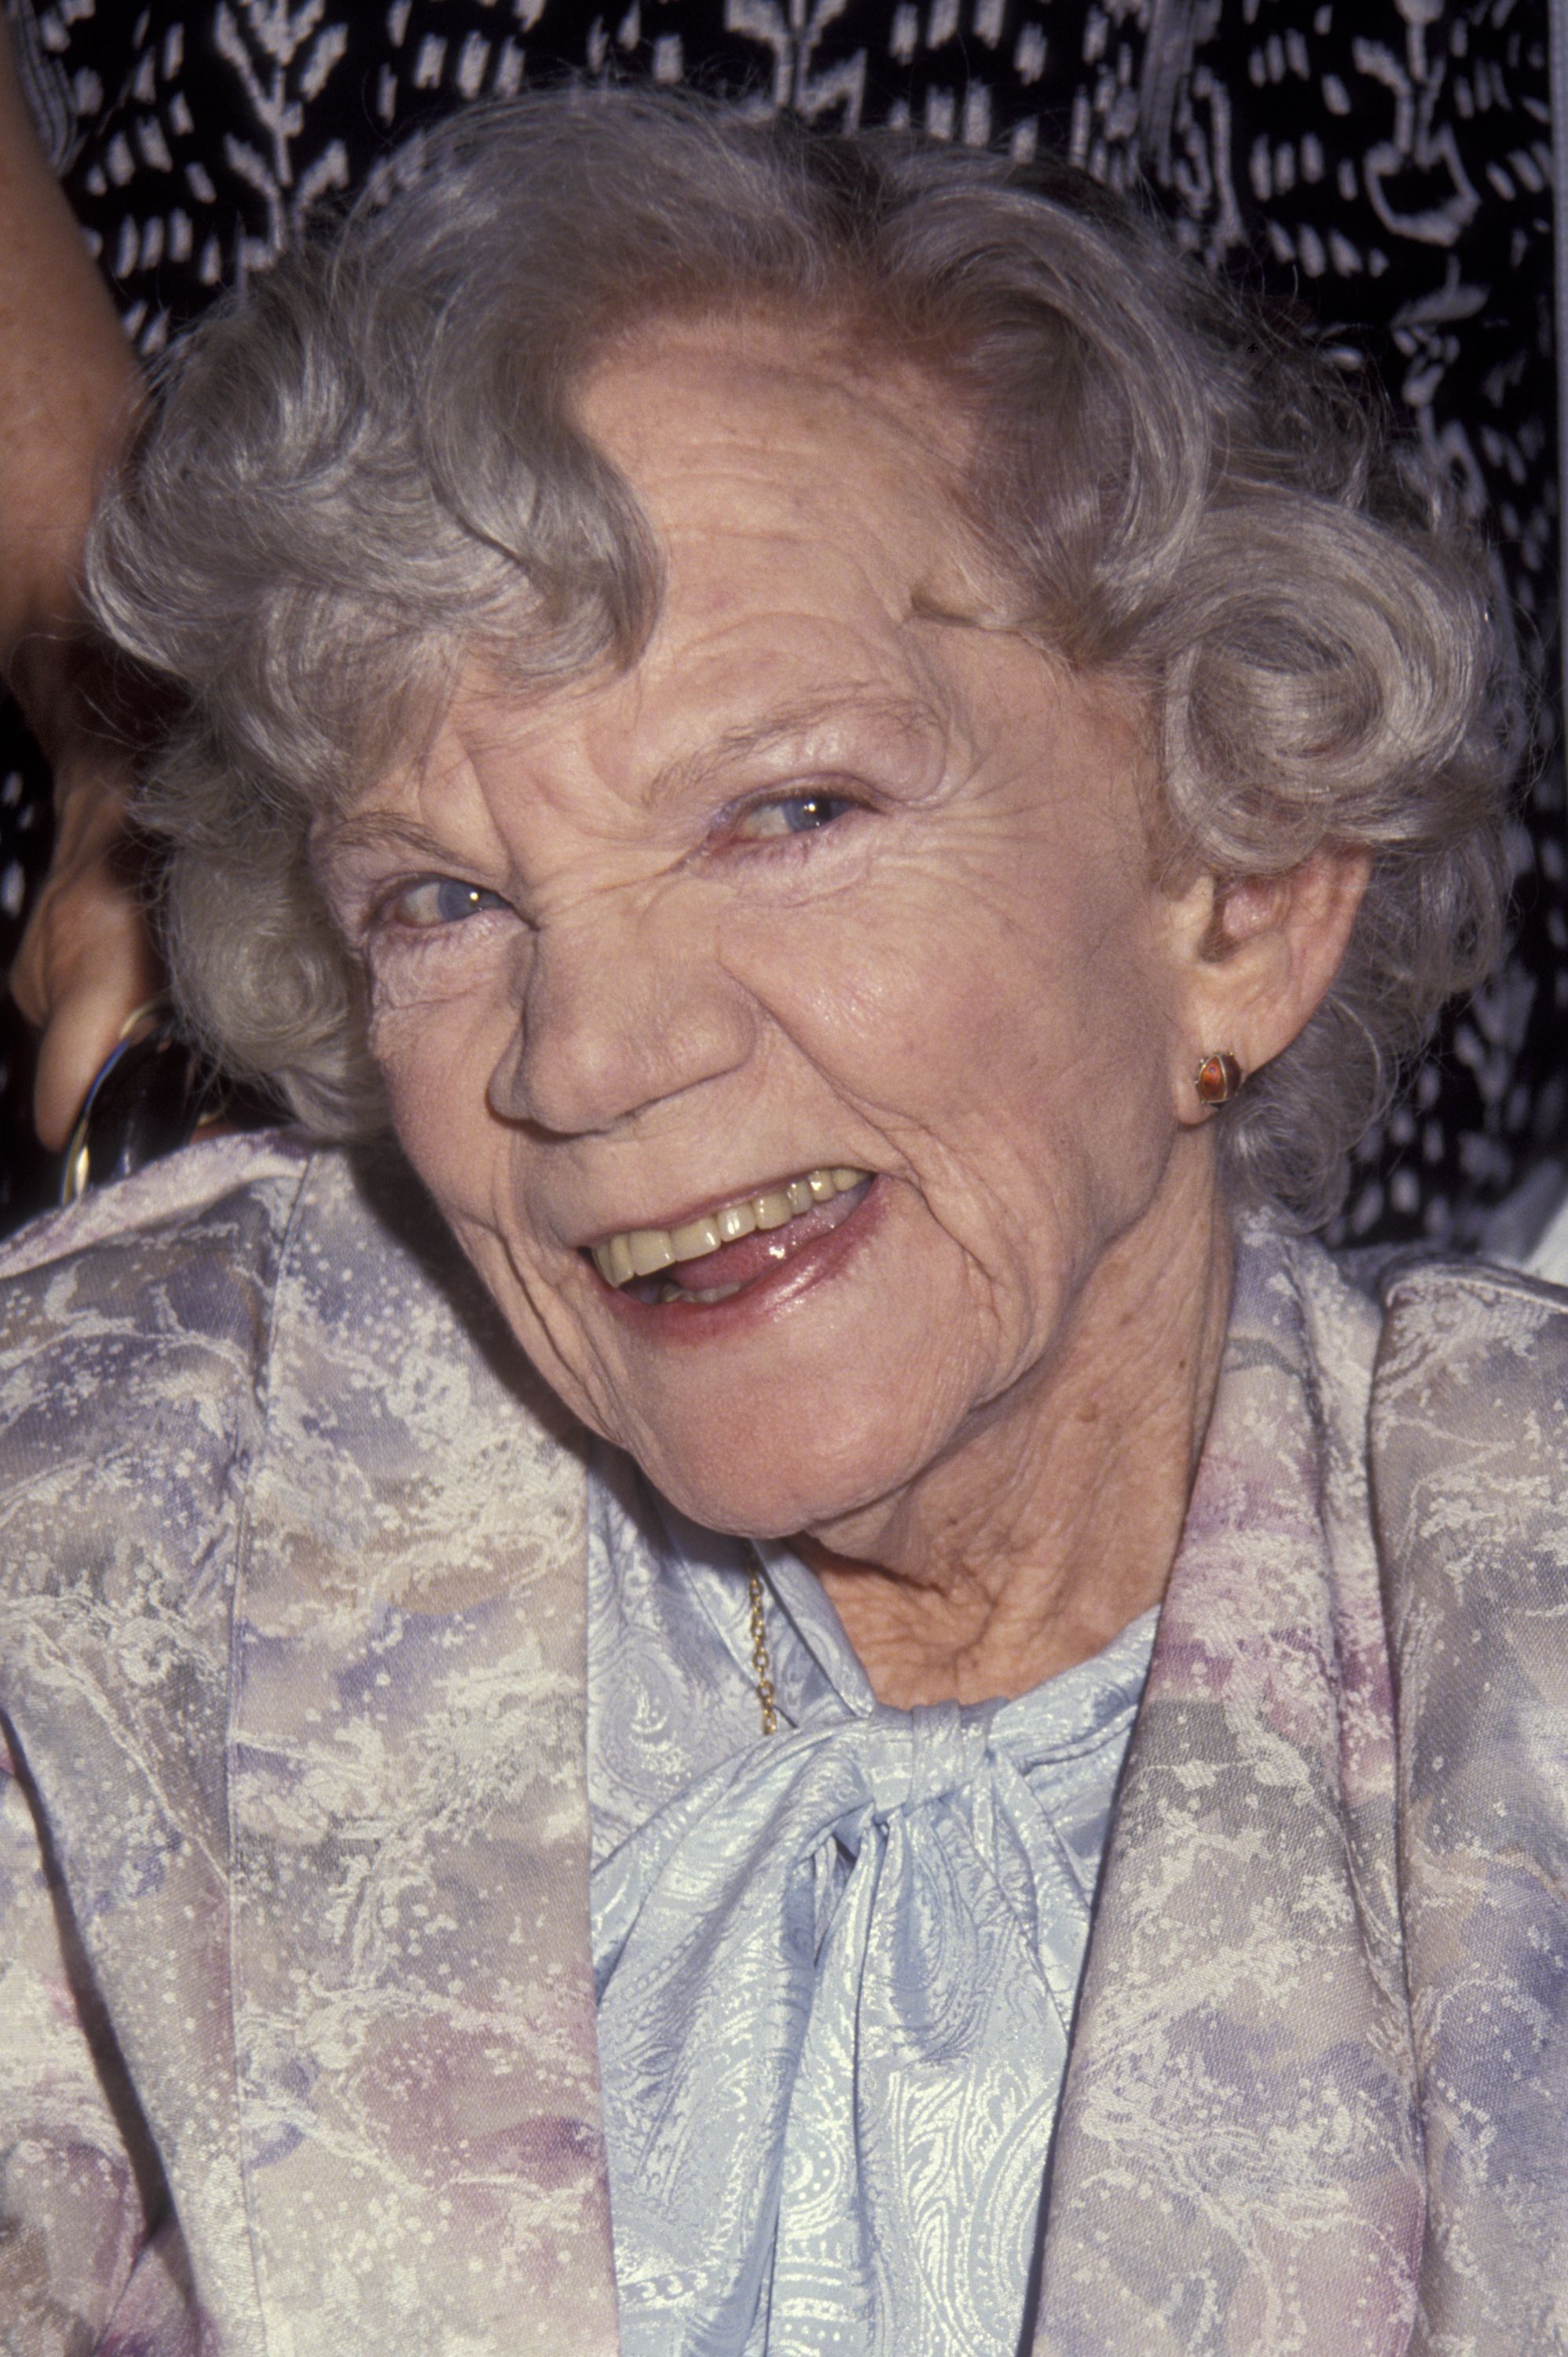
column 697, row 1322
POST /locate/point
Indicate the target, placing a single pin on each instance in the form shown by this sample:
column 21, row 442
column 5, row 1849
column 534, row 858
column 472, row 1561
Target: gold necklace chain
column 761, row 1665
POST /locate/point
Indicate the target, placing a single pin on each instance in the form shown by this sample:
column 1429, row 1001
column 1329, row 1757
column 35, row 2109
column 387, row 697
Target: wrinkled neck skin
column 1034, row 1543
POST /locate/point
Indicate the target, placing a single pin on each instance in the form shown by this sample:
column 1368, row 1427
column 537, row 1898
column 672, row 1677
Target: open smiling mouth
column 708, row 1258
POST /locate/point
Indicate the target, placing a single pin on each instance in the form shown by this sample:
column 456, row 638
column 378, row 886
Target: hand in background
column 87, row 960
column 69, row 392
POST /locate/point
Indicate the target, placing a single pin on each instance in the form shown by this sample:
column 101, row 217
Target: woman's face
column 838, row 879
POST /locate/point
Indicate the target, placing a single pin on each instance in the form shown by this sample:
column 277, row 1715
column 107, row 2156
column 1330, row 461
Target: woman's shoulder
column 1448, row 1372
column 1470, row 1344
column 251, row 1312
column 144, row 1309
column 1424, row 1309
column 1466, row 1368
column 1469, row 1430
column 237, row 1236
column 229, row 1189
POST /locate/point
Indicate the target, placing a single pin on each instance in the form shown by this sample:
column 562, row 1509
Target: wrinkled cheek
column 440, row 1110
column 437, row 1082
column 560, row 1344
column 469, row 1160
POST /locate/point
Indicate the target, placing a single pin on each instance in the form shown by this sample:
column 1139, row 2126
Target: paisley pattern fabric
column 1318, row 2093
column 827, row 2115
column 293, row 1667
column 297, row 2044
column 1385, row 162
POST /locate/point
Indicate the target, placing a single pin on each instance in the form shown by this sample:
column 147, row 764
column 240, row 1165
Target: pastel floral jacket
column 296, row 2035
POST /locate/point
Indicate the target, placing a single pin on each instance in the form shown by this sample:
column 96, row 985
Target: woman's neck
column 1055, row 1520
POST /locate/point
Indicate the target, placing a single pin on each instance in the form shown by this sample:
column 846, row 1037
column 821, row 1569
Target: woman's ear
column 1261, row 953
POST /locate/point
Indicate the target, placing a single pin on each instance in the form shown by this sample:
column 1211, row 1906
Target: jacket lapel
column 1470, row 1456
column 413, row 1991
column 1238, row 2159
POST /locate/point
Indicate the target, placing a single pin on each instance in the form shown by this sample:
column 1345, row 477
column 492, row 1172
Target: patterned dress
column 1385, row 162
column 302, row 1766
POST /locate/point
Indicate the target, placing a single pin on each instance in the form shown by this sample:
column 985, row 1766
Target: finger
column 84, row 1026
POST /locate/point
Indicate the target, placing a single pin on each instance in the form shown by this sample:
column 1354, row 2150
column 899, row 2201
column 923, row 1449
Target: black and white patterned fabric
column 1386, row 163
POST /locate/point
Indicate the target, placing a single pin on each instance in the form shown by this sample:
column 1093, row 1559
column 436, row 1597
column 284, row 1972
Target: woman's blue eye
column 438, row 900
column 793, row 815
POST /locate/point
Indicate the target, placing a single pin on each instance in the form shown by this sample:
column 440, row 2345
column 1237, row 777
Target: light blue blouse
column 836, row 1966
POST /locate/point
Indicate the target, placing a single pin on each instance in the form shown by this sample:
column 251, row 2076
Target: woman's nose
column 617, row 1016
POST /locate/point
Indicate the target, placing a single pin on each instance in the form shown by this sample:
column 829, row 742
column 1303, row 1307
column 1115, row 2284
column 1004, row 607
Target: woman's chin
column 801, row 1439
column 770, row 1487
column 827, row 1419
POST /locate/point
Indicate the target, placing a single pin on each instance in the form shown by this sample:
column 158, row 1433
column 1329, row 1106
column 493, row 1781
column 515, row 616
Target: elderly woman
column 867, row 768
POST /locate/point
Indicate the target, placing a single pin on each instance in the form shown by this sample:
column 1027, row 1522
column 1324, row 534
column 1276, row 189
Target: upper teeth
column 643, row 1251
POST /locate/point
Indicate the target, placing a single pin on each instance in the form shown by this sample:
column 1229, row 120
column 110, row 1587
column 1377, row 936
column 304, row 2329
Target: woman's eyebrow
column 783, row 732
column 356, row 833
column 360, row 831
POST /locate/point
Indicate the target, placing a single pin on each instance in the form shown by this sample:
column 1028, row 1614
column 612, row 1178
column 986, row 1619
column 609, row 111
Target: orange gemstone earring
column 1219, row 1078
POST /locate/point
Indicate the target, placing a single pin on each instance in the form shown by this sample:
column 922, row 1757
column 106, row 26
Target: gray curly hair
column 364, row 469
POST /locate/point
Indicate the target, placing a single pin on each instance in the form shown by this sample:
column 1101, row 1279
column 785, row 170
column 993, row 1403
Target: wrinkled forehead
column 801, row 501
column 806, row 444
